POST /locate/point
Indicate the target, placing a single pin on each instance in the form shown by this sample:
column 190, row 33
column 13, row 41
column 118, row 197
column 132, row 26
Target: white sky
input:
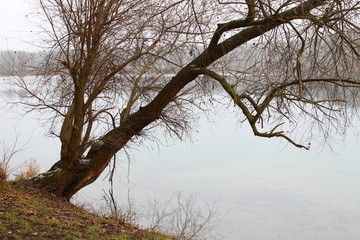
column 18, row 30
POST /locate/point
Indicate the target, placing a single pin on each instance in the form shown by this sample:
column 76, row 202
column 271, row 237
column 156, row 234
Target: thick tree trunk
column 65, row 182
column 65, row 179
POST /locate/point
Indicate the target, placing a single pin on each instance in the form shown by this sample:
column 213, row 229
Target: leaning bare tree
column 116, row 69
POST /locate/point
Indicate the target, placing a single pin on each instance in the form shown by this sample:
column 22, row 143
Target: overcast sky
column 17, row 24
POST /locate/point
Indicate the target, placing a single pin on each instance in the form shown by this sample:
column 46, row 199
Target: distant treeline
column 18, row 62
column 27, row 63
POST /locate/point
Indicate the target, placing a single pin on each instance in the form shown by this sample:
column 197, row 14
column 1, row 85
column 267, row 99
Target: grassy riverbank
column 28, row 213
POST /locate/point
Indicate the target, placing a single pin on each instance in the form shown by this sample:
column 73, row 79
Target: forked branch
column 254, row 115
column 252, row 119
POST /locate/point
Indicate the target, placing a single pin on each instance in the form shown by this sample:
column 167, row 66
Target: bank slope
column 28, row 213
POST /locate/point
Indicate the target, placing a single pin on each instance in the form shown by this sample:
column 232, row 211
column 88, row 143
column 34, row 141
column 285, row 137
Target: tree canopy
column 116, row 69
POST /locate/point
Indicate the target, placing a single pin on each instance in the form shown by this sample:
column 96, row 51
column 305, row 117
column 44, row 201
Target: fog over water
column 263, row 188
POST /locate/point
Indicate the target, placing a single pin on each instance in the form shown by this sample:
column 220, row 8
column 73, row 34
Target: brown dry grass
column 29, row 213
column 28, row 170
column 3, row 173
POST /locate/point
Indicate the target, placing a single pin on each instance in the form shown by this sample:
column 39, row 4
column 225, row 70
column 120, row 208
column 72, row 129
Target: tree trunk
column 65, row 182
column 66, row 179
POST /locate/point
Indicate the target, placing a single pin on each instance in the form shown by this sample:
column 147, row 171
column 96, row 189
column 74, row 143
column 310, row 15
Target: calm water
column 263, row 188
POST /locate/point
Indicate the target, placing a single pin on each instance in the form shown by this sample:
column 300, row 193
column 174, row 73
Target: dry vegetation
column 3, row 174
column 28, row 213
column 28, row 170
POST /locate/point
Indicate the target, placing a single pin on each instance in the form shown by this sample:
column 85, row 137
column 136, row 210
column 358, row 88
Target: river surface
column 262, row 188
